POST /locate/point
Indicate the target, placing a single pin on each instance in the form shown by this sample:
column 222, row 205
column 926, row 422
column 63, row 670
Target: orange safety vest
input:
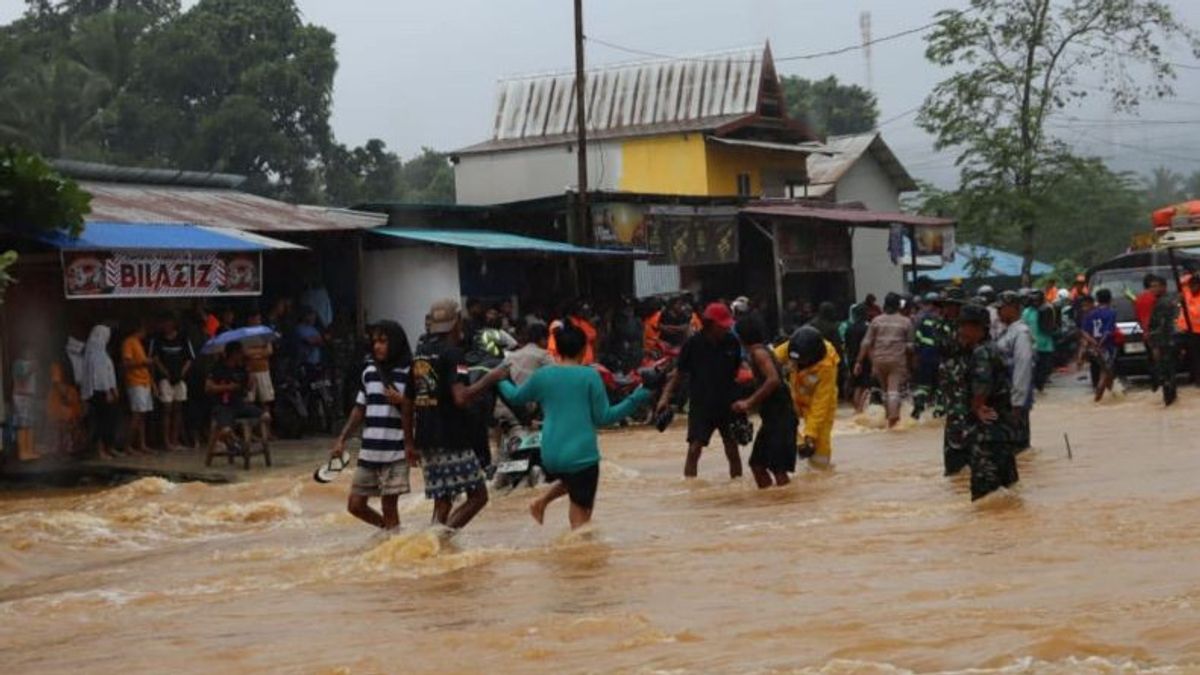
column 1193, row 309
column 651, row 333
column 1051, row 293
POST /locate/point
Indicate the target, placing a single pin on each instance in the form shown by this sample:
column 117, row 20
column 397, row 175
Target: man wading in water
column 443, row 426
column 994, row 430
column 711, row 359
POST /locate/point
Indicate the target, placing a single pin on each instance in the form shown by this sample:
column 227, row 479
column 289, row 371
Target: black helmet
column 807, row 347
column 976, row 314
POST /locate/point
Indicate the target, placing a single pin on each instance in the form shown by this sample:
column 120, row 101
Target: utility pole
column 581, row 194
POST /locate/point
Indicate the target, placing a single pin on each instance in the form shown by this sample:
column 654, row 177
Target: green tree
column 428, row 178
column 239, row 86
column 34, row 198
column 1019, row 62
column 1165, row 187
column 830, row 107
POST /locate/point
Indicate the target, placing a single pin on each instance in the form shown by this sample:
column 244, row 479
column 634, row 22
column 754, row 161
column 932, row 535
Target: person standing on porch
column 138, row 383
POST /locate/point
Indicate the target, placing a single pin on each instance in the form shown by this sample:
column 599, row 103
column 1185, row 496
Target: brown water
column 1092, row 565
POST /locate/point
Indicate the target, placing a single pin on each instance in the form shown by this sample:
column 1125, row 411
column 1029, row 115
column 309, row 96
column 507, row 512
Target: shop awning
column 485, row 240
column 106, row 236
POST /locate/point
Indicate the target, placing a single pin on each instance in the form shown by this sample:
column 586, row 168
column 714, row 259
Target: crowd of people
column 975, row 361
column 103, row 393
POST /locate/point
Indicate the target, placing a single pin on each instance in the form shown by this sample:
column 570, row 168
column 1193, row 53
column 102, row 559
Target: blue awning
column 106, row 236
column 485, row 240
column 1003, row 264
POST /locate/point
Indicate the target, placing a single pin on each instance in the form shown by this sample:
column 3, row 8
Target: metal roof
column 216, row 207
column 80, row 170
column 502, row 241
column 1004, row 264
column 825, row 172
column 847, row 214
column 643, row 97
column 107, row 236
column 807, row 148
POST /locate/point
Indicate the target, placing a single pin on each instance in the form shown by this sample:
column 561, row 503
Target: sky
column 422, row 72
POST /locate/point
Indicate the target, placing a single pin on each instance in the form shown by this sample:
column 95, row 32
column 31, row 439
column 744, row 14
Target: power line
column 900, row 116
column 794, row 57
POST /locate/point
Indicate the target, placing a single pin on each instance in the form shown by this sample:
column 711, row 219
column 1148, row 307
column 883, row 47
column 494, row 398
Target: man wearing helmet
column 993, row 427
column 812, row 376
column 987, row 297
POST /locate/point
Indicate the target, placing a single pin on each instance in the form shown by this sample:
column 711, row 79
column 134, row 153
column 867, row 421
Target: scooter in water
column 652, row 375
column 520, row 459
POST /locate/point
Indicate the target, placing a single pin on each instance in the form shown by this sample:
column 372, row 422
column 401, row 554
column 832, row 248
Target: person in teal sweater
column 574, row 404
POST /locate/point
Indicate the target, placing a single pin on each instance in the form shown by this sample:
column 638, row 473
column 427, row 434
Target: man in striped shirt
column 387, row 419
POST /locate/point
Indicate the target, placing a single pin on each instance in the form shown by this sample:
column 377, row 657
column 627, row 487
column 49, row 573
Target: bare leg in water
column 765, row 478
column 578, row 515
column 456, row 518
column 733, row 455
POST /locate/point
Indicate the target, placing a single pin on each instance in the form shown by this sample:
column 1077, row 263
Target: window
column 743, row 185
column 797, row 189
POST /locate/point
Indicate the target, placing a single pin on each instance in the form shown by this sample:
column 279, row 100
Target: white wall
column 401, row 284
column 874, row 272
column 498, row 177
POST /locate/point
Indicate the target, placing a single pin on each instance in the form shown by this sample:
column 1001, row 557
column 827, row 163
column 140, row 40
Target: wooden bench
column 243, row 428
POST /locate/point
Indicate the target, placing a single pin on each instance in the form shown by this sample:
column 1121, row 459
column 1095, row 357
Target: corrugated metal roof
column 502, row 241
column 850, row 216
column 808, row 148
column 824, row 172
column 162, row 237
column 133, row 203
column 658, row 96
column 1003, row 264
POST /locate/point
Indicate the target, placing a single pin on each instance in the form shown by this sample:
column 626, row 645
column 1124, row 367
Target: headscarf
column 99, row 374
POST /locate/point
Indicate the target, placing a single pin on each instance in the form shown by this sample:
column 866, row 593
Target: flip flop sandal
column 330, row 469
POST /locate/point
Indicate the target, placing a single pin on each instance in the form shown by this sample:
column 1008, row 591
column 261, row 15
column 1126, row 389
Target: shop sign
column 619, row 225
column 686, row 235
column 935, row 241
column 161, row 274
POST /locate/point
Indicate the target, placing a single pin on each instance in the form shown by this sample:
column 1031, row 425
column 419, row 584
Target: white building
column 865, row 170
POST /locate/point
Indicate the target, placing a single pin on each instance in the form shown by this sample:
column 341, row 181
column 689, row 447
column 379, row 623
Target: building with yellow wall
column 712, row 125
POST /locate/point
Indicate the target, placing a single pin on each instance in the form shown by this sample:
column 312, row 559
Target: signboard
column 160, row 274
column 619, row 225
column 692, row 235
column 936, row 242
column 807, row 248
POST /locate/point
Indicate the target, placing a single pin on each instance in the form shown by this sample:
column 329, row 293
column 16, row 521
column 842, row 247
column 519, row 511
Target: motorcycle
column 291, row 410
column 319, row 399
column 651, row 374
column 520, row 457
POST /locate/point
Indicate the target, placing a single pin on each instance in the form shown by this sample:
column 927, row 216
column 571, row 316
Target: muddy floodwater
column 1092, row 565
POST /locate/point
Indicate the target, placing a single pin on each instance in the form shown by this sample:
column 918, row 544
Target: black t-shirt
column 440, row 424
column 174, row 354
column 712, row 368
column 223, row 373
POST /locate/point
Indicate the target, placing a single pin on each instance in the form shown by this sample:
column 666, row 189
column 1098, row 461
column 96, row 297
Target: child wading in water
column 387, row 418
column 574, row 402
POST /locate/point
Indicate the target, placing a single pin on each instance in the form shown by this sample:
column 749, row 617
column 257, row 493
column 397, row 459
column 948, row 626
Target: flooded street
column 880, row 566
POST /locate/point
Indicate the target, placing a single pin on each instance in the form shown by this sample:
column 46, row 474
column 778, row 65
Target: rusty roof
column 852, row 213
column 825, row 172
column 217, row 207
column 640, row 98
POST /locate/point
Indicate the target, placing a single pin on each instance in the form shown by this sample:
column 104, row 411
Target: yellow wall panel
column 673, row 164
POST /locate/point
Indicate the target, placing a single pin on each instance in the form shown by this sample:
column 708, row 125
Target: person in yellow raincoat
column 812, row 377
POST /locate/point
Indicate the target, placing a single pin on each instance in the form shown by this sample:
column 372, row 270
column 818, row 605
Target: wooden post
column 912, row 243
column 360, row 319
column 581, row 206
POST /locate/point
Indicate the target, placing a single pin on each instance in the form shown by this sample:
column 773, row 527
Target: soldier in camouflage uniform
column 1161, row 338
column 953, row 396
column 993, row 425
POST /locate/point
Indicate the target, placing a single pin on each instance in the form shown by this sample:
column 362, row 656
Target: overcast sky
column 422, row 72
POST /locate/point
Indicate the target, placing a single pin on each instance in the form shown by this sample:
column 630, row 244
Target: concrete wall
column 874, row 272
column 498, row 177
column 400, row 284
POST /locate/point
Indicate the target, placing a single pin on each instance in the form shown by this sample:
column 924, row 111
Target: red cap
column 719, row 314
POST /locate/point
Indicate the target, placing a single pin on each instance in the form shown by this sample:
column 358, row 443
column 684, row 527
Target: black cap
column 976, row 314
